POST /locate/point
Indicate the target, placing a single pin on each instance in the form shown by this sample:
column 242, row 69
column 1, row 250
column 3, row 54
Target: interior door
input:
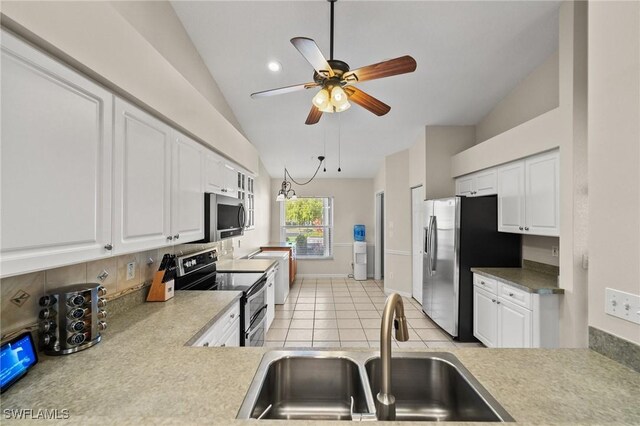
column 417, row 207
column 443, row 255
column 427, row 282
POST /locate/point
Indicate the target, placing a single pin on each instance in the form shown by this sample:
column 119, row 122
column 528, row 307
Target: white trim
column 322, row 275
column 398, row 252
column 378, row 256
column 350, row 244
column 388, row 291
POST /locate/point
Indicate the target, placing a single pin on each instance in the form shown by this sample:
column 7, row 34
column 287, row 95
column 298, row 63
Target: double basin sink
column 337, row 385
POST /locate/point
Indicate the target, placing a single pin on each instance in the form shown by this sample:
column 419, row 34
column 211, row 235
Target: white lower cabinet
column 56, row 163
column 225, row 331
column 271, row 295
column 508, row 317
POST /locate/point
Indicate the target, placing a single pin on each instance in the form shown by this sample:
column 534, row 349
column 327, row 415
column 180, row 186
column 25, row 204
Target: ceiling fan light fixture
column 321, row 99
column 345, row 106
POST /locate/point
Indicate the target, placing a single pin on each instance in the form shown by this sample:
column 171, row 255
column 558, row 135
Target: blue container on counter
column 358, row 232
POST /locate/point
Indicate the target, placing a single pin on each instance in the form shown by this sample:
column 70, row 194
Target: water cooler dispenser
column 359, row 253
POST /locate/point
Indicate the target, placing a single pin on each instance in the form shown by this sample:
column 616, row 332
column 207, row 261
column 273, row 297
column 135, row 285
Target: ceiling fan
column 336, row 79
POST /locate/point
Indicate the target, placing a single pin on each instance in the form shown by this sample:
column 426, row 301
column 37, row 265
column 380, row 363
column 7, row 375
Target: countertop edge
column 212, row 321
column 542, row 291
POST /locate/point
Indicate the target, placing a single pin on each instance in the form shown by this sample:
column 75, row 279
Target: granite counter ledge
column 524, row 279
column 245, row 265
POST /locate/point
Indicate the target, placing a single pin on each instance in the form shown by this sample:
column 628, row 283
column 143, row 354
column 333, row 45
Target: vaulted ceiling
column 469, row 55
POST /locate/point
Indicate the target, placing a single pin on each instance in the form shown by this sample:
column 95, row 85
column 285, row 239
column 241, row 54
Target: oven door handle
column 253, row 330
column 262, row 284
column 254, row 316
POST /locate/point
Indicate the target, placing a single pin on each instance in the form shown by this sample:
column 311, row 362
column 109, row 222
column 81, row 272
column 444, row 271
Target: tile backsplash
column 19, row 295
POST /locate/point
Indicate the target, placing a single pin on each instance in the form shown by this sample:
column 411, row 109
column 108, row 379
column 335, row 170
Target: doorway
column 417, row 201
column 378, row 272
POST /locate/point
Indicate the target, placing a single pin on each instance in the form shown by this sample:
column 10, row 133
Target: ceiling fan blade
column 311, row 52
column 283, row 90
column 314, row 115
column 366, row 101
column 401, row 65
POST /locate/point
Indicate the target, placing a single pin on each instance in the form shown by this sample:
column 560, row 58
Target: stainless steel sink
column 436, row 387
column 339, row 385
column 308, row 387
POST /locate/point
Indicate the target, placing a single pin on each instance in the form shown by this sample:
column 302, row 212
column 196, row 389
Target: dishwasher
column 282, row 276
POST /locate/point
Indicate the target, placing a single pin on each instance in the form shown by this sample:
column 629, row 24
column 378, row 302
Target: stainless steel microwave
column 224, row 217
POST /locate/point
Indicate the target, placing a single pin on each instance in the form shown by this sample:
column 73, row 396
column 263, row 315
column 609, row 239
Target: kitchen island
column 143, row 372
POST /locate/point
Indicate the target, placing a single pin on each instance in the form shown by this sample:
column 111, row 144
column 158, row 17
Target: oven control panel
column 195, row 261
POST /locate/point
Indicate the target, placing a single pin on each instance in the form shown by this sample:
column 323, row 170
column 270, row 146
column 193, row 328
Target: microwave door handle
column 242, row 216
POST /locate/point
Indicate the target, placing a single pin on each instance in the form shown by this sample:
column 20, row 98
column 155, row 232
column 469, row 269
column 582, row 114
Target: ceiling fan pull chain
column 324, row 149
column 339, row 141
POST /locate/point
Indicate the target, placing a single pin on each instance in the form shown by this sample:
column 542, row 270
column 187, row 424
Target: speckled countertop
column 142, row 373
column 245, row 265
column 523, row 278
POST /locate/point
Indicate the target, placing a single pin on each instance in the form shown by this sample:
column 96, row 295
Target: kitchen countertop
column 142, row 373
column 245, row 265
column 524, row 279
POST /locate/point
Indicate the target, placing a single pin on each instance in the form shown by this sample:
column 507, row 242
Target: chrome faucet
column 385, row 401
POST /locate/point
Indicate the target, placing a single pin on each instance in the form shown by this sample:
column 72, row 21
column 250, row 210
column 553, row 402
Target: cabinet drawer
column 215, row 333
column 485, row 283
column 512, row 294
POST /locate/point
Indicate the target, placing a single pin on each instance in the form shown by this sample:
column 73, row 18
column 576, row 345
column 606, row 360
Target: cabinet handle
column 526, row 228
column 169, row 238
column 493, row 300
column 232, row 315
column 206, row 344
column 108, row 247
column 511, row 294
column 520, row 228
column 270, row 285
column 482, row 282
column 498, row 302
column 223, row 345
column 176, row 236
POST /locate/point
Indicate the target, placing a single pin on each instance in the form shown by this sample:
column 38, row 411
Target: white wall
column 538, row 249
column 353, row 204
column 397, row 246
column 614, row 158
column 534, row 95
column 159, row 24
column 442, row 142
column 99, row 41
column 417, row 162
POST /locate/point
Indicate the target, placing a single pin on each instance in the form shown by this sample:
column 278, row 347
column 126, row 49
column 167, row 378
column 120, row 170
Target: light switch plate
column 622, row 305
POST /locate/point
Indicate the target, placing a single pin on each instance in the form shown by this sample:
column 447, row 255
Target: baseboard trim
column 401, row 293
column 398, row 252
column 328, row 276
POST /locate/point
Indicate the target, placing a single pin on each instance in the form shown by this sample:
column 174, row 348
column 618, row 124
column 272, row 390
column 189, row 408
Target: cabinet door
column 187, row 216
column 142, row 180
column 486, row 182
column 214, row 176
column 271, row 299
column 232, row 337
column 514, row 325
column 56, row 163
column 511, row 201
column 485, row 317
column 230, row 181
column 542, row 177
column 464, row 186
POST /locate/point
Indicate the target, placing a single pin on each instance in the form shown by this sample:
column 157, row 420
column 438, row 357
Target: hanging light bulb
column 280, row 196
column 339, row 99
column 321, row 100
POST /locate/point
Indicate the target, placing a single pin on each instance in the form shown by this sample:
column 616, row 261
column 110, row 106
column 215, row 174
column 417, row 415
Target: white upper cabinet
column 220, row 177
column 477, row 184
column 56, row 163
column 187, row 216
column 511, row 197
column 142, row 180
column 542, row 194
column 529, row 195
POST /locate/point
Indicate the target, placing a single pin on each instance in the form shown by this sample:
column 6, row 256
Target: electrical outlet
column 131, row 270
column 622, row 305
column 555, row 251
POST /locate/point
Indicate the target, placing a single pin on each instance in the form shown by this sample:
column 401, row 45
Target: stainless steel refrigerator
column 461, row 233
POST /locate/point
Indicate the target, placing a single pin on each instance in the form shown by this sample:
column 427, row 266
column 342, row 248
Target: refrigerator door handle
column 433, row 246
column 432, row 220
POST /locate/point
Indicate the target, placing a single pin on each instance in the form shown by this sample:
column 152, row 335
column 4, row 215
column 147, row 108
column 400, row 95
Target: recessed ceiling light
column 274, row 66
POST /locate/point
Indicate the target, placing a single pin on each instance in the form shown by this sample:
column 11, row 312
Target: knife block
column 160, row 291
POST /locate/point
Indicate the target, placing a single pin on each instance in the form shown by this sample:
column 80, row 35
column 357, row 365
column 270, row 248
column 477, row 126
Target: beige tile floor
column 340, row 312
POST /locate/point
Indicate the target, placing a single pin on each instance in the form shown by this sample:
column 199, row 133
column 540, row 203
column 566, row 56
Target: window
column 308, row 223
